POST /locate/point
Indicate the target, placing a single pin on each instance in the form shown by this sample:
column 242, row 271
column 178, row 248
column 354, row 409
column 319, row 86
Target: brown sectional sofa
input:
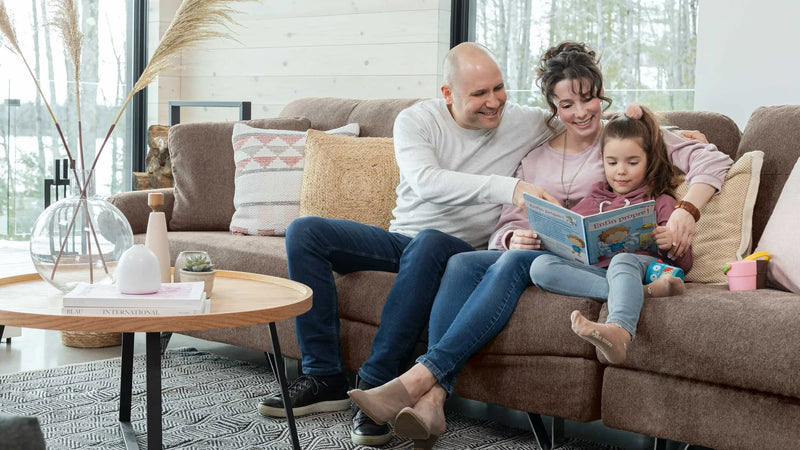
column 712, row 367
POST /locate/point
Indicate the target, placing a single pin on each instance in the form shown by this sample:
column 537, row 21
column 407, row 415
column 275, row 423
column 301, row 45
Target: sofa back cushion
column 775, row 130
column 375, row 117
column 720, row 130
column 203, row 169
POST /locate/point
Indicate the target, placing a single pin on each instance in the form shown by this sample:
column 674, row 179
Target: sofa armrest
column 133, row 205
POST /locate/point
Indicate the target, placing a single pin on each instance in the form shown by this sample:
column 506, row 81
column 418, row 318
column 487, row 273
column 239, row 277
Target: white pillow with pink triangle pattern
column 269, row 174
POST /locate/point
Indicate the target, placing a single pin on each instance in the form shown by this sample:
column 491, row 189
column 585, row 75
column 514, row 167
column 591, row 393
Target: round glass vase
column 79, row 238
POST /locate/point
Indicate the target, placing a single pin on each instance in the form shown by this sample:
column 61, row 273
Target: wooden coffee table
column 239, row 299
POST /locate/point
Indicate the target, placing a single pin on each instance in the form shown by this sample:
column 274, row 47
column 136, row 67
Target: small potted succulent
column 199, row 268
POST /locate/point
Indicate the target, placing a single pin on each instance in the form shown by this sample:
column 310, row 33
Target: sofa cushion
column 203, row 171
column 724, row 230
column 349, row 178
column 714, row 335
column 257, row 254
column 376, row 117
column 719, row 129
column 775, row 131
column 715, row 416
column 780, row 237
column 269, row 173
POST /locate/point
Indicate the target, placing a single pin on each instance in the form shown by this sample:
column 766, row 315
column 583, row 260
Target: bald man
column 457, row 157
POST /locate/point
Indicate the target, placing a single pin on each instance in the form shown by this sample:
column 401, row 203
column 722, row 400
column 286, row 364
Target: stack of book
column 172, row 299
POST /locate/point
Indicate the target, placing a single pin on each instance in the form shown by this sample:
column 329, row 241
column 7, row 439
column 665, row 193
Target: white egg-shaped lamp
column 138, row 271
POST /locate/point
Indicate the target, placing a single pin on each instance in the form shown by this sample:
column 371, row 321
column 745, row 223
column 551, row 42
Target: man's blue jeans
column 620, row 285
column 316, row 247
column 478, row 294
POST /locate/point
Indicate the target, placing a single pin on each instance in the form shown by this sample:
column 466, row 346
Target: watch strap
column 688, row 206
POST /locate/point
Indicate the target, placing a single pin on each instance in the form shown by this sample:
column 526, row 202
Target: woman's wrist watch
column 689, row 207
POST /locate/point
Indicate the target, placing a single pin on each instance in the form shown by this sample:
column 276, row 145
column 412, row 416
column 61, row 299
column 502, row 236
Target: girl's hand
column 523, row 239
column 663, row 237
column 681, row 224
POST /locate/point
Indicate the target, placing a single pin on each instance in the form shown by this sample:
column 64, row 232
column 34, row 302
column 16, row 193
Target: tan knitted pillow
column 724, row 232
column 349, row 178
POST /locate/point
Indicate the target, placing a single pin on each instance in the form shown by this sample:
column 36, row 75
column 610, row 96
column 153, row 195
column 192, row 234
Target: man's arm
column 420, row 167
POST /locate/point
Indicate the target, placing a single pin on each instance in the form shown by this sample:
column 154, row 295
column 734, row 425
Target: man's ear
column 448, row 95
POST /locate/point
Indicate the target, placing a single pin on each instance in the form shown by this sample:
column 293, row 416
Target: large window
column 647, row 47
column 29, row 142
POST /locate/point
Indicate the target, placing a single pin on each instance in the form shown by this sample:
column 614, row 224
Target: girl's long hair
column 660, row 174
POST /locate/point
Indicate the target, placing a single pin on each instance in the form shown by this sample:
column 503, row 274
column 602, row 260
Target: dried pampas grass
column 7, row 29
column 194, row 22
column 66, row 21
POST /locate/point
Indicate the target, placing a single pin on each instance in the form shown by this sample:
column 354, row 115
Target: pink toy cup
column 748, row 274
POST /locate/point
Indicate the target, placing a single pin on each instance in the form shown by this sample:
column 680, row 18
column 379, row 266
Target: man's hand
column 523, row 239
column 693, row 134
column 523, row 187
column 681, row 225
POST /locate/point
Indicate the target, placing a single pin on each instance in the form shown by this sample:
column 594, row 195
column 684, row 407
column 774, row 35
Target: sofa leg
column 694, row 447
column 272, row 363
column 546, row 442
column 292, row 367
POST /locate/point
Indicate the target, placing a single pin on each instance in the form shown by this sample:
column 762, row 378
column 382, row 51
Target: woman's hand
column 523, row 239
column 681, row 226
column 693, row 135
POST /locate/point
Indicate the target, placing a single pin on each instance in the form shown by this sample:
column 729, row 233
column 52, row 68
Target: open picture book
column 591, row 239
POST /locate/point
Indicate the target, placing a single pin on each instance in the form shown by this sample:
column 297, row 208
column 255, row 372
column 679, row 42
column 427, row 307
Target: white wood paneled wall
column 288, row 49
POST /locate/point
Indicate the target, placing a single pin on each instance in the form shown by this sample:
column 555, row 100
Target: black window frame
column 138, row 116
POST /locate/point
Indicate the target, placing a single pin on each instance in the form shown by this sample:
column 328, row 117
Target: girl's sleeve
column 664, row 207
column 702, row 163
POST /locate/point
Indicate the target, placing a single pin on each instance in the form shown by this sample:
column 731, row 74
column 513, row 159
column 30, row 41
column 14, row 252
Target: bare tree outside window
column 647, row 47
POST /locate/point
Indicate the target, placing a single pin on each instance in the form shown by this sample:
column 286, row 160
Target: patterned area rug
column 209, row 402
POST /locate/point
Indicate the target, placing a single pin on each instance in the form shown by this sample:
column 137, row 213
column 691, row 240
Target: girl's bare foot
column 665, row 286
column 611, row 339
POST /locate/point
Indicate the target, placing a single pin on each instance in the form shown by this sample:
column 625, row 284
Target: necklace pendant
column 566, row 203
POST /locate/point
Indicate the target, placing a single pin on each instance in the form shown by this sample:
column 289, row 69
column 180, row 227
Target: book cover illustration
column 594, row 238
column 184, row 295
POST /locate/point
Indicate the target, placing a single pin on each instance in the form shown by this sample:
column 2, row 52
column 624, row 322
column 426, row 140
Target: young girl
column 637, row 169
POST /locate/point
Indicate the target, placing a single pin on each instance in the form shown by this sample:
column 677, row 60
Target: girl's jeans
column 620, row 285
column 477, row 295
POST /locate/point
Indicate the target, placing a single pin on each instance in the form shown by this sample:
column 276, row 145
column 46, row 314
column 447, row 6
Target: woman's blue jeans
column 620, row 285
column 316, row 247
column 478, row 294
